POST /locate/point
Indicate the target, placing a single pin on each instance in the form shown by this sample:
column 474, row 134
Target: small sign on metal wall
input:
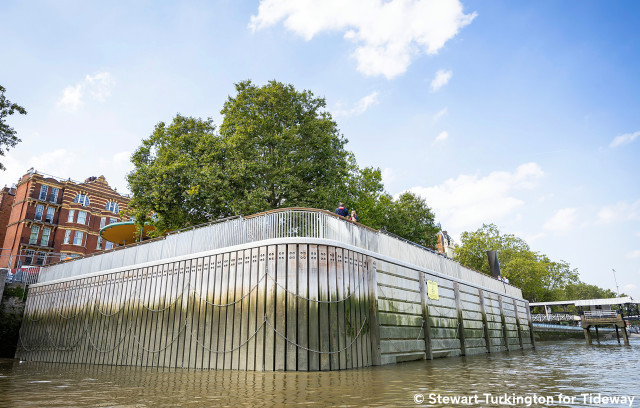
column 432, row 290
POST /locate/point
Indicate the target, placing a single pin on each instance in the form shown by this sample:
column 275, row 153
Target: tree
column 178, row 175
column 8, row 136
column 539, row 278
column 411, row 218
column 277, row 147
column 283, row 149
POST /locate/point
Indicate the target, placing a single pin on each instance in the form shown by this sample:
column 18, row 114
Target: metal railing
column 554, row 317
column 283, row 223
column 600, row 314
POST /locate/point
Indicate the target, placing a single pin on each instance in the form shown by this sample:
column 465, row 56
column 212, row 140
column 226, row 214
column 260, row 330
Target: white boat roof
column 588, row 302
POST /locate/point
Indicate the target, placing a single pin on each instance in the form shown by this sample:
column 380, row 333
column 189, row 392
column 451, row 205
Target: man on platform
column 342, row 211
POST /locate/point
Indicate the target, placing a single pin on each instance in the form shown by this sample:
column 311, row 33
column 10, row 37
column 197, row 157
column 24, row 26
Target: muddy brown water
column 568, row 368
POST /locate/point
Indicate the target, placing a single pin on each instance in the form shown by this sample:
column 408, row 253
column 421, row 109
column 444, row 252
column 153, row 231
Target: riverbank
column 11, row 311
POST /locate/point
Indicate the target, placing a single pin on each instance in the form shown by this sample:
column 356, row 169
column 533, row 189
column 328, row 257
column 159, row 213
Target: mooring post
column 505, row 337
column 533, row 340
column 426, row 323
column 485, row 327
column 617, row 333
column 624, row 335
column 587, row 335
column 515, row 309
column 456, row 291
column 597, row 334
column 374, row 326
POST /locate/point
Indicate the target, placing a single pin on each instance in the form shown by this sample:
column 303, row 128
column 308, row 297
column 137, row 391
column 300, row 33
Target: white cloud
column 633, row 254
column 387, row 34
column 360, row 107
column 442, row 137
column 71, row 97
column 440, row 114
column 624, row 139
column 470, row 200
column 562, row 221
column 620, row 211
column 98, row 86
column 388, row 176
column 441, row 79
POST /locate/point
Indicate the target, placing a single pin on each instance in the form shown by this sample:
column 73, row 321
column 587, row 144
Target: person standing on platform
column 354, row 216
column 342, row 211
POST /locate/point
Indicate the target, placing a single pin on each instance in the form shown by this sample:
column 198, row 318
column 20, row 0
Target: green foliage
column 581, row 290
column 276, row 148
column 18, row 292
column 283, row 149
column 539, row 278
column 8, row 136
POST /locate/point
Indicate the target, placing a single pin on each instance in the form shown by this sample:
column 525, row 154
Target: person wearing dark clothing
column 354, row 216
column 342, row 211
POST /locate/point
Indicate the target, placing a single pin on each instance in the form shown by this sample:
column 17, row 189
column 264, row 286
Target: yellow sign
column 432, row 290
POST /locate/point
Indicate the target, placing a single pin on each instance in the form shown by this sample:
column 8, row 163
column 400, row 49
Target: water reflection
column 569, row 367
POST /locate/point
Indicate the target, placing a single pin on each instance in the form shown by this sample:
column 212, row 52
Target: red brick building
column 52, row 218
column 6, row 201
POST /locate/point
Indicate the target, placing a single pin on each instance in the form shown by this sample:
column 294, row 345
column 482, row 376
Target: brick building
column 6, row 201
column 51, row 219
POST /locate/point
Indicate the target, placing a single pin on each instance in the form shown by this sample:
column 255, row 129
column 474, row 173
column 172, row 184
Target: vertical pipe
column 426, row 317
column 461, row 334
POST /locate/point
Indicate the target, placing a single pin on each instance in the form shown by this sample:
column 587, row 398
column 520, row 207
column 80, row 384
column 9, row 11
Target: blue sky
column 524, row 114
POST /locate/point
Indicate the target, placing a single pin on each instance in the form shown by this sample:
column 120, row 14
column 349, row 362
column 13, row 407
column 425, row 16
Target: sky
column 524, row 114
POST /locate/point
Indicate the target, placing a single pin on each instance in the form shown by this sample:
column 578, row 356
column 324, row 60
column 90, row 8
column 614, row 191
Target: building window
column 71, row 214
column 112, row 220
column 50, row 212
column 108, row 245
column 67, row 236
column 103, row 222
column 81, row 199
column 40, row 259
column 33, row 238
column 99, row 244
column 54, row 195
column 44, row 241
column 112, row 206
column 77, row 238
column 28, row 258
column 82, row 217
column 39, row 211
column 43, row 192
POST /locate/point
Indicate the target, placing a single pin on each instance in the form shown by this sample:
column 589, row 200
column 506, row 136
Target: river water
column 522, row 378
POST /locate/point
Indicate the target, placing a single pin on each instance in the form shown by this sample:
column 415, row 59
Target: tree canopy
column 540, row 278
column 277, row 147
column 8, row 136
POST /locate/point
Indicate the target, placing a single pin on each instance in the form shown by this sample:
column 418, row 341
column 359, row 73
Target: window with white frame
column 41, row 257
column 50, row 213
column 44, row 241
column 67, row 236
column 112, row 206
column 72, row 213
column 81, row 199
column 35, row 230
column 39, row 211
column 28, row 258
column 99, row 244
column 103, row 222
column 54, row 195
column 82, row 217
column 112, row 220
column 77, row 238
column 43, row 192
column 108, row 245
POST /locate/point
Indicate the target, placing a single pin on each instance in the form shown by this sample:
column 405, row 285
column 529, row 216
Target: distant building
column 445, row 244
column 52, row 219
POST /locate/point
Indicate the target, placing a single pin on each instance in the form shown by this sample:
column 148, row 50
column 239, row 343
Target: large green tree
column 8, row 138
column 283, row 149
column 276, row 147
column 540, row 278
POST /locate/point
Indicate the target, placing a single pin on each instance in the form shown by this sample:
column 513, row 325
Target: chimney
column 494, row 265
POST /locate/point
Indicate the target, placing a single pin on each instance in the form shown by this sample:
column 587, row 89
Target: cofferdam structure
column 291, row 289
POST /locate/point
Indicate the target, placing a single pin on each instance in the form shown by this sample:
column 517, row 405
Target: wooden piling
column 426, row 319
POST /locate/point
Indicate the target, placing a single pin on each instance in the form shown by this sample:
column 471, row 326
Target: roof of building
column 588, row 302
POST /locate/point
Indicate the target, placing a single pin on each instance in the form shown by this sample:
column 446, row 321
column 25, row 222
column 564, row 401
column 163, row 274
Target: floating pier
column 291, row 290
